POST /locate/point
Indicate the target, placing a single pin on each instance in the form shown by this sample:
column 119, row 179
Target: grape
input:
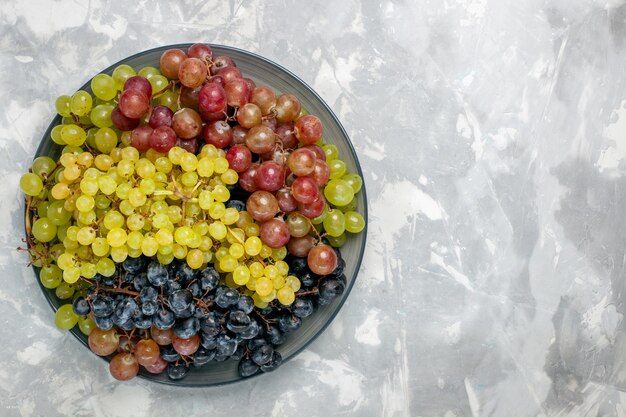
column 186, row 346
column 298, row 225
column 44, row 230
column 319, row 152
column 300, row 246
column 212, row 98
column 200, row 51
column 157, row 367
column 331, row 151
column 229, row 73
column 160, row 116
column 122, row 122
column 321, row 172
column 50, row 276
column 239, row 158
column 73, row 135
column 355, row 181
column 161, row 337
column 218, row 134
column 147, row 352
column 286, row 135
column 354, row 222
column 120, row 74
column 260, row 139
column 140, row 84
column 308, row 129
column 264, row 98
column 287, row 108
column 192, row 72
column 101, row 115
column 322, row 259
column 103, row 87
column 81, row 103
column 335, row 223
column 162, row 139
column 134, row 103
column 270, row 176
column 103, row 342
column 189, row 97
column 170, row 62
column 221, row 62
column 313, row 209
column 302, row 161
column 237, row 92
column 262, row 205
column 247, row 179
column 190, row 145
column 62, row 105
column 31, row 184
column 249, row 115
column 124, row 366
column 338, row 192
column 304, row 190
column 239, row 135
column 274, row 233
column 43, row 166
column 187, row 123
column 158, row 83
column 65, row 318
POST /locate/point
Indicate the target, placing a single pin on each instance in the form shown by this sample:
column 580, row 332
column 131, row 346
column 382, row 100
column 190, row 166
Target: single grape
column 239, row 158
column 308, row 129
column 103, row 342
column 304, row 190
column 124, row 366
column 187, row 123
column 322, row 259
column 170, row 62
column 287, row 108
column 218, row 134
column 192, row 72
column 44, row 230
column 249, row 115
column 65, row 318
column 147, row 352
column 264, row 98
column 160, row 116
column 262, row 205
column 354, row 222
column 212, row 98
column 31, row 184
column 140, row 84
column 103, row 87
column 270, row 176
column 237, row 92
column 274, row 233
column 338, row 192
column 134, row 103
column 200, row 51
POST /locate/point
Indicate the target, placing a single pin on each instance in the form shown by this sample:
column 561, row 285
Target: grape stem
column 313, row 291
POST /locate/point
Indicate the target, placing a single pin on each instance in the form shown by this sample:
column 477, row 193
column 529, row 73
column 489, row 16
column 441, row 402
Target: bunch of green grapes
column 340, row 191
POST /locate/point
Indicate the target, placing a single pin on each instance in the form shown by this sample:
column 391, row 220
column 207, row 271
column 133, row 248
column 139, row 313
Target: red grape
column 251, row 83
column 212, row 98
column 262, row 206
column 192, row 72
column 134, row 103
column 147, row 352
column 319, row 152
column 270, row 176
column 286, row 202
column 263, row 97
column 200, row 51
column 237, row 92
column 247, row 179
column 239, row 134
column 287, row 108
column 162, row 337
column 274, row 233
column 272, row 123
column 124, row 366
column 122, row 122
column 140, row 138
column 218, row 133
column 139, row 83
column 103, row 342
column 159, row 366
column 189, row 97
column 322, row 259
column 249, row 115
column 260, row 139
column 229, row 73
column 239, row 158
column 187, row 123
column 170, row 62
column 308, row 129
column 321, row 172
column 302, row 161
column 300, row 246
column 221, row 62
column 162, row 139
column 286, row 135
column 313, row 209
column 190, row 145
column 160, row 116
column 217, row 79
column 304, row 190
column 186, row 346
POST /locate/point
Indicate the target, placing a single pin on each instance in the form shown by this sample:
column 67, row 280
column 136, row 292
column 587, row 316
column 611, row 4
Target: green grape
column 85, row 203
column 148, row 72
column 62, row 105
column 102, row 202
column 319, row 219
column 91, row 137
column 31, row 184
column 64, row 291
column 121, row 73
column 57, row 214
column 106, row 139
column 55, row 135
column 158, row 83
column 43, row 166
column 338, row 192
column 331, row 152
column 50, row 276
column 71, row 275
column 286, row 296
column 351, row 206
column 86, row 325
column 44, row 230
column 62, row 233
column 105, row 267
column 73, row 135
column 81, row 103
column 101, row 115
column 167, row 99
column 65, row 318
column 103, row 87
column 354, row 222
column 338, row 241
column 42, row 208
column 337, row 168
column 355, row 181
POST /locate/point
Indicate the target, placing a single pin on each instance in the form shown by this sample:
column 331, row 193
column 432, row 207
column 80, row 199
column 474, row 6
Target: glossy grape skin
column 200, row 51
column 124, row 366
column 158, row 366
column 262, row 205
column 298, row 225
column 31, row 184
column 335, row 223
column 147, row 352
column 286, row 135
column 308, row 129
column 249, row 115
column 186, row 346
column 218, row 134
column 322, row 259
column 65, row 318
column 44, row 230
column 122, row 122
column 313, row 209
column 229, row 74
column 304, row 190
column 354, row 222
column 161, row 337
column 221, row 62
column 237, row 92
column 287, row 108
column 239, row 158
column 187, row 123
column 338, row 192
column 103, row 342
column 286, row 202
column 162, row 139
column 161, row 116
column 133, row 103
column 302, row 161
column 300, row 246
column 263, row 97
column 321, row 172
column 274, row 233
column 270, row 176
column 212, row 98
column 189, row 97
column 192, row 72
column 140, row 84
column 247, row 179
column 260, row 139
column 140, row 137
column 170, row 62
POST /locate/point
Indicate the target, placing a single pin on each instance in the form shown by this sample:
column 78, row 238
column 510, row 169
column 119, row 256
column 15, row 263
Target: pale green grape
column 57, row 213
column 355, row 181
column 50, row 276
column 121, row 73
column 338, row 192
column 62, row 105
column 73, row 135
column 43, row 166
column 331, row 152
column 31, row 184
column 65, row 318
column 103, row 87
column 55, row 135
column 101, row 115
column 105, row 139
column 158, row 83
column 81, row 103
column 338, row 241
column 64, row 290
column 148, row 72
column 354, row 222
column 44, row 230
column 337, row 168
column 86, row 325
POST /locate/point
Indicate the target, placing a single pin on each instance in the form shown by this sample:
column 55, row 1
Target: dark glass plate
column 263, row 72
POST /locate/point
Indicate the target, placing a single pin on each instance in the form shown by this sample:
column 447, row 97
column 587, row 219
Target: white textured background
column 492, row 134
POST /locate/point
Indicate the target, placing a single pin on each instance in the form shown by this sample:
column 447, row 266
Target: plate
column 263, row 72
